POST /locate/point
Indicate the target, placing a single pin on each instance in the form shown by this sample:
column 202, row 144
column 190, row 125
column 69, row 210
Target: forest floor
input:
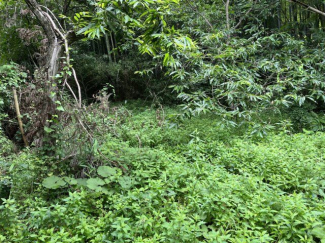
column 171, row 179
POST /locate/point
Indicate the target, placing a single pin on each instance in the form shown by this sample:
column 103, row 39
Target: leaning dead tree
column 57, row 39
column 50, row 62
column 53, row 59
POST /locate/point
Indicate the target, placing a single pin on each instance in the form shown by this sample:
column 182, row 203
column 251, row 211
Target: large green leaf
column 53, row 182
column 106, row 171
column 82, row 181
column 70, row 181
column 95, row 183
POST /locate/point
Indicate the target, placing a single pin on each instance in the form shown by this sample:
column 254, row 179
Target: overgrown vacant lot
column 161, row 179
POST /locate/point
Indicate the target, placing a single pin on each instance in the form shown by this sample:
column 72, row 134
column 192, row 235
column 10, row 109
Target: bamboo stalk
column 113, row 47
column 19, row 118
column 108, row 47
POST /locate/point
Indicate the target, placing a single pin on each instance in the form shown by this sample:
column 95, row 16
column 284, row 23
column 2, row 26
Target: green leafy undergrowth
column 11, row 76
column 22, row 173
column 291, row 163
column 165, row 127
column 201, row 191
column 172, row 180
column 6, row 147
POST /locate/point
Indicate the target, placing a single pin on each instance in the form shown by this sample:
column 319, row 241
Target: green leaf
column 319, row 233
column 166, row 59
column 53, row 182
column 48, row 130
column 95, row 183
column 82, row 181
column 125, row 182
column 95, row 146
column 70, row 181
column 106, row 171
column 60, row 108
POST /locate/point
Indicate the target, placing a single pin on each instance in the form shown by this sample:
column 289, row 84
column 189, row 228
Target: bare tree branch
column 315, row 10
column 202, row 14
column 245, row 15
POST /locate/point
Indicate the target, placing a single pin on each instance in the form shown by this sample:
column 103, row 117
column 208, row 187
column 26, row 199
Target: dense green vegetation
column 194, row 182
column 162, row 121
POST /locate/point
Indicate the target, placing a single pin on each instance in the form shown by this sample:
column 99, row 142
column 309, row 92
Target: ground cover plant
column 195, row 182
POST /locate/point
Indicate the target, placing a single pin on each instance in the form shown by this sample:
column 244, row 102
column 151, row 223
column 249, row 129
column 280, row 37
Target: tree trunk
column 50, row 62
column 227, row 16
column 46, row 72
